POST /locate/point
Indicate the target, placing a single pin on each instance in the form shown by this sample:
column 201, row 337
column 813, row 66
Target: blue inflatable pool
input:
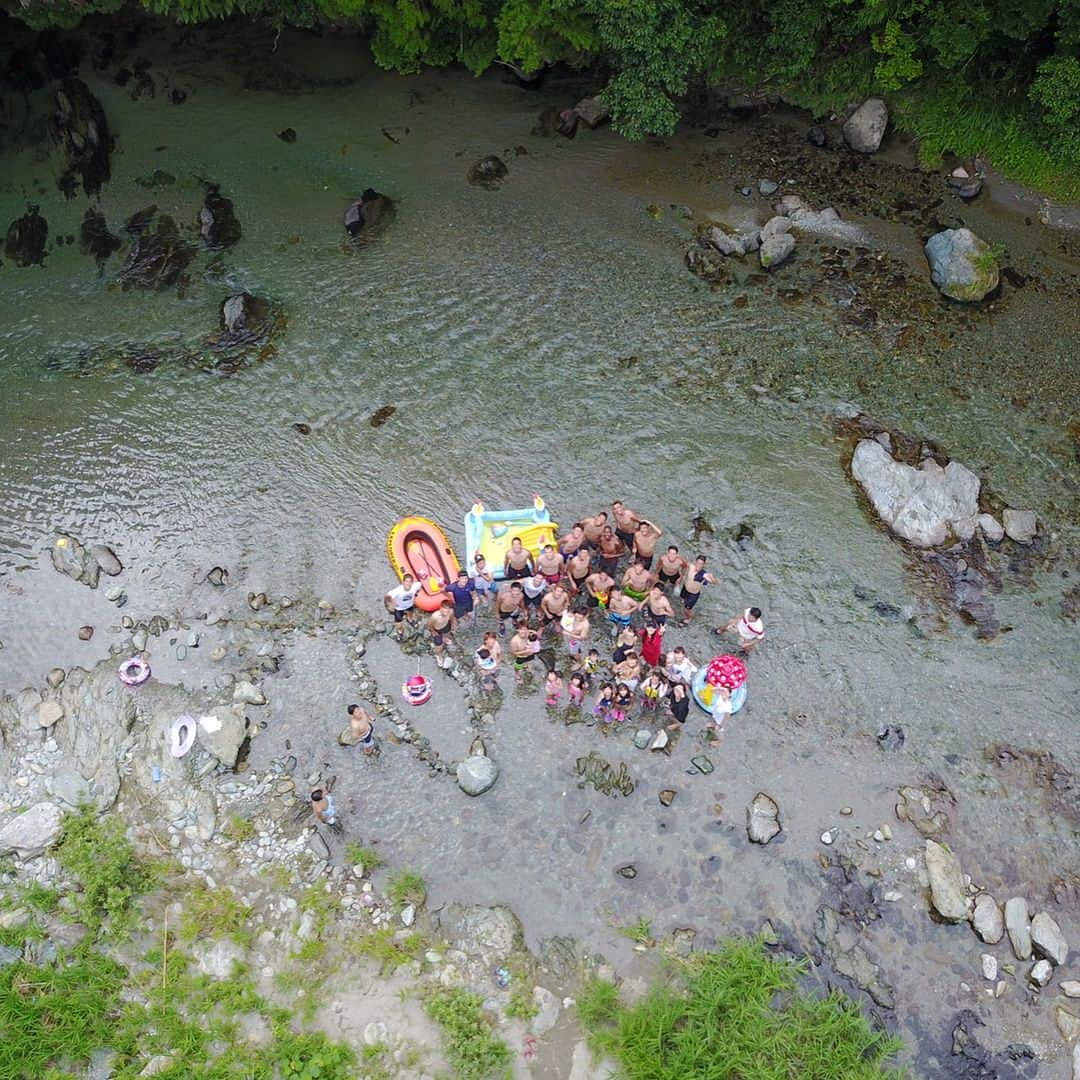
column 701, row 693
column 490, row 533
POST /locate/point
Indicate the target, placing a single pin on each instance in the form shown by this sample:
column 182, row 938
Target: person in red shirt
column 652, row 644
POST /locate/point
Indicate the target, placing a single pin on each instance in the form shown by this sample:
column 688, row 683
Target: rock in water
column 489, row 172
column 962, row 266
column 31, row 833
column 1018, row 925
column 865, row 128
column 217, row 220
column 95, row 238
column 925, row 506
column 762, row 819
column 987, row 919
column 477, row 774
column 1048, row 940
column 80, row 127
column 370, row 210
column 24, row 244
column 1020, row 525
column 106, row 559
column 776, row 249
column 71, row 558
column 946, row 882
column 244, row 315
column 592, row 112
column 156, row 259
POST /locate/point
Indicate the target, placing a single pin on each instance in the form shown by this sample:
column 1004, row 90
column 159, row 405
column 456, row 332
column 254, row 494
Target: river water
column 545, row 337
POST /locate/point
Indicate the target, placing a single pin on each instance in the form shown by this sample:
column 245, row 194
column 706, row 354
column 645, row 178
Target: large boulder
column 926, row 505
column 245, row 317
column 69, row 557
column 962, row 266
column 33, row 832
column 222, row 732
column 489, row 172
column 370, row 210
column 217, row 220
column 477, row 774
column 80, row 127
column 776, row 249
column 947, row 892
column 155, row 260
column 865, row 128
column 25, row 242
column 762, row 819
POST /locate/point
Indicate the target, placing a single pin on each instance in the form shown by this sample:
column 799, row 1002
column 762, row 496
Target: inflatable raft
column 490, row 532
column 417, row 546
column 703, row 690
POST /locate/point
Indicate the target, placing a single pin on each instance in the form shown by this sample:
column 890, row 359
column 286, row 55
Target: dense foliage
column 1014, row 59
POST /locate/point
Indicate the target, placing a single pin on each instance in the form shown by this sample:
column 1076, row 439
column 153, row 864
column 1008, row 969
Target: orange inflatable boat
column 419, row 547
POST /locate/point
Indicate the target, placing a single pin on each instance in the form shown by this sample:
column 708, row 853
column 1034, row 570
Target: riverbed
column 546, row 337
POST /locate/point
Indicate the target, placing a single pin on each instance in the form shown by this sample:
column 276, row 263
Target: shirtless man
column 593, row 526
column 524, row 646
column 555, row 603
column 626, row 522
column 509, row 603
column 611, row 547
column 442, row 623
column 578, row 569
column 645, row 541
column 550, row 564
column 658, row 605
column 598, row 587
column 518, row 562
column 637, row 581
column 570, row 543
column 575, row 626
column 620, row 608
column 694, row 580
column 672, row 567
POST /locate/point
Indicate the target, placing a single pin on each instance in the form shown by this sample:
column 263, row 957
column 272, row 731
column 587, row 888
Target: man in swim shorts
column 578, row 569
column 620, row 608
column 509, row 603
column 550, row 564
column 554, row 604
column 694, row 580
column 524, row 646
column 534, row 588
column 672, row 567
column 570, row 543
column 658, row 605
column 592, row 527
column 442, row 624
column 598, row 588
column 611, row 548
column 626, row 523
column 518, row 562
column 462, row 591
column 645, row 541
column 636, row 581
column 401, row 601
column 362, row 728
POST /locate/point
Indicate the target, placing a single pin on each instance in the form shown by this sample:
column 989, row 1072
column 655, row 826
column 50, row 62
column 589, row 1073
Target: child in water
column 553, row 688
column 590, row 667
column 622, row 703
column 576, row 688
column 604, row 701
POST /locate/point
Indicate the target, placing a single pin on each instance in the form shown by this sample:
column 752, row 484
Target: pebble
column 87, row 632
column 56, row 677
column 846, row 811
column 113, row 593
column 1040, row 974
column 989, row 966
column 892, row 896
column 886, row 832
column 826, row 837
column 879, row 836
column 219, row 653
column 1071, row 988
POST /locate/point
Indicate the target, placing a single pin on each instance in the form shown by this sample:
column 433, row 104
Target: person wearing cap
column 749, row 626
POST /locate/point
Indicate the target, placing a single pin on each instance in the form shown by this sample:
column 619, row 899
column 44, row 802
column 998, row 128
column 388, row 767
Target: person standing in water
column 626, row 523
column 694, row 580
column 749, row 626
column 362, row 728
column 518, row 562
column 401, row 600
column 645, row 539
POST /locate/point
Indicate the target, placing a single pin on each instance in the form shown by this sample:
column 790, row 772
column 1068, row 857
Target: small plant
column 312, row 1056
column 522, row 1004
column 210, row 913
column 986, row 262
column 40, row 897
column 369, row 857
column 405, row 888
column 383, row 946
column 239, row 828
column 101, row 857
column 641, row 932
column 472, row 1048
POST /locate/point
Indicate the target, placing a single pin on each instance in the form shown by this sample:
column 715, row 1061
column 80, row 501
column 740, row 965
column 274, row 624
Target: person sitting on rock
column 322, row 806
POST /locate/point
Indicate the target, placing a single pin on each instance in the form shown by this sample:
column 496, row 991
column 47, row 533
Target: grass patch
column 640, row 932
column 215, row 913
column 239, row 828
column 735, row 1012
column 405, row 888
column 390, row 952
column 312, row 1056
column 472, row 1048
column 357, row 853
column 100, row 856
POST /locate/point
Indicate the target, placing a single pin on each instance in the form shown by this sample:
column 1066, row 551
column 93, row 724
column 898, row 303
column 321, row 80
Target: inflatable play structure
column 419, row 547
column 490, row 532
column 728, row 671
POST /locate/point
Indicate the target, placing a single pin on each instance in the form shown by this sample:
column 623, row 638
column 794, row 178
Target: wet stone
column 627, row 870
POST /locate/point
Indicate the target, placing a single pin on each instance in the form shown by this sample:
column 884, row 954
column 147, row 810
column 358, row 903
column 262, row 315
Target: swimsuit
column 619, row 619
column 679, row 709
column 634, row 594
column 513, row 572
column 669, row 579
column 625, row 537
column 367, row 740
column 645, row 560
column 608, row 565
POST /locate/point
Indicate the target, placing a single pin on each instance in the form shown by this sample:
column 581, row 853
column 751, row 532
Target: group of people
column 563, row 592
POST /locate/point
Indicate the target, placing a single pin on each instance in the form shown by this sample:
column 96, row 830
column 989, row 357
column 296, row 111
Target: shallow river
column 545, row 337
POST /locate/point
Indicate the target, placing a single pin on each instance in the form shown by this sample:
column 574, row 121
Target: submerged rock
column 962, row 266
column 865, row 128
column 489, row 172
column 80, row 127
column 155, row 260
column 762, row 819
column 217, row 220
column 25, row 242
column 924, row 505
column 477, row 774
column 95, row 238
column 370, row 210
column 946, row 882
column 1020, row 525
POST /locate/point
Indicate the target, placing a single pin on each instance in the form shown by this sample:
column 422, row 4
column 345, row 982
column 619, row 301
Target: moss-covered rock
column 962, row 266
